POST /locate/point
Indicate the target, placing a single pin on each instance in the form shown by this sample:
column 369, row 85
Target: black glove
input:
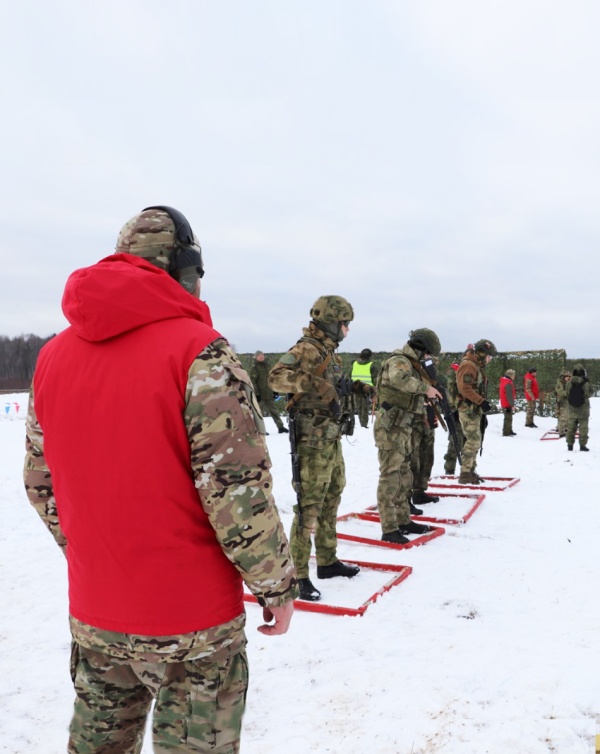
column 336, row 409
column 485, row 406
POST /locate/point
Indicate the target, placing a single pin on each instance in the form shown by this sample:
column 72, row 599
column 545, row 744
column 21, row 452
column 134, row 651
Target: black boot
column 414, row 528
column 422, row 498
column 414, row 511
column 282, row 430
column 584, row 447
column 569, row 447
column 307, row 591
column 395, row 537
column 337, row 569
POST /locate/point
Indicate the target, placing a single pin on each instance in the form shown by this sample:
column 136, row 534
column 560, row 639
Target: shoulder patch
column 288, row 358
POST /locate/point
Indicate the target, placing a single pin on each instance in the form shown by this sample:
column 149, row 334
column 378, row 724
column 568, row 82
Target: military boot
column 422, row 498
column 395, row 537
column 307, row 591
column 414, row 528
column 282, row 430
column 468, row 477
column 450, row 470
column 414, row 511
column 337, row 569
column 584, row 448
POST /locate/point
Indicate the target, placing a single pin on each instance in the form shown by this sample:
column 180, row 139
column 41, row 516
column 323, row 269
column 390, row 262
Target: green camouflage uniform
column 579, row 416
column 260, row 379
column 199, row 680
column 422, row 456
column 318, row 434
column 451, row 457
column 400, row 406
column 471, row 383
column 562, row 404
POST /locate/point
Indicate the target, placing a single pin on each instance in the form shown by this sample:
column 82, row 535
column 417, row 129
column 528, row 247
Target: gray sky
column 436, row 162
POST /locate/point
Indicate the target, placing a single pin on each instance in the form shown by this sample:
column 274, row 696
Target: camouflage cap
column 332, row 309
column 510, row 373
column 150, row 235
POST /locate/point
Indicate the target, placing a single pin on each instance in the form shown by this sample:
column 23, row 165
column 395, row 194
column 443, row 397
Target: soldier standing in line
column 401, row 390
column 562, row 404
column 311, row 372
column 532, row 393
column 451, row 457
column 507, row 402
column 422, row 458
column 471, row 383
column 260, row 379
column 364, row 369
column 165, row 509
column 579, row 391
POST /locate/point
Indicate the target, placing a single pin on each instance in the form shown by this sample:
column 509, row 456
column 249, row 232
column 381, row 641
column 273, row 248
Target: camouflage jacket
column 471, row 381
column 259, row 373
column 399, row 384
column 235, row 490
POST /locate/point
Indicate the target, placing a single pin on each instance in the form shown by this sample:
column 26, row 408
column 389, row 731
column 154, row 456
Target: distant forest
column 17, row 360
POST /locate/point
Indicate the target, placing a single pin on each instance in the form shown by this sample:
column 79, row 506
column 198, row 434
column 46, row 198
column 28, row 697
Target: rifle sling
column 317, row 373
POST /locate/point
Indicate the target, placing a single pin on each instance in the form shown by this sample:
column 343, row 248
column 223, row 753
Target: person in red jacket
column 507, row 402
column 532, row 393
column 146, row 460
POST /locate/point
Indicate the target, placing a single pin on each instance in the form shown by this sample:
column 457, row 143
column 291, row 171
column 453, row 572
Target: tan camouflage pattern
column 259, row 374
column 562, row 404
column 199, row 704
column 470, row 422
column 471, row 382
column 400, row 385
column 332, row 309
column 578, row 417
column 322, row 471
column 149, row 235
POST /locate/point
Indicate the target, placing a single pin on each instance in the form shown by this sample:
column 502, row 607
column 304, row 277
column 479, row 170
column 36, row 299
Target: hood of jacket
column 121, row 293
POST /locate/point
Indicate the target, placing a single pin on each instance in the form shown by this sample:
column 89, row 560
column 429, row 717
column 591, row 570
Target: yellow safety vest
column 362, row 372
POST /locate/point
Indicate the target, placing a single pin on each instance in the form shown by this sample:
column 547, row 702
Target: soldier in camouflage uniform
column 364, row 370
column 260, row 379
column 579, row 391
column 562, row 404
column 422, row 459
column 401, row 391
column 146, row 461
column 310, row 372
column 451, row 457
column 471, row 383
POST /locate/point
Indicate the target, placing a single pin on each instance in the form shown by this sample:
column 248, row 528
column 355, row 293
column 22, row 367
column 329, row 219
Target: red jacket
column 109, row 394
column 507, row 392
column 534, row 394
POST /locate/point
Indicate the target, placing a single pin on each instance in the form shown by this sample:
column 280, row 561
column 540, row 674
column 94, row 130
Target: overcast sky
column 436, row 162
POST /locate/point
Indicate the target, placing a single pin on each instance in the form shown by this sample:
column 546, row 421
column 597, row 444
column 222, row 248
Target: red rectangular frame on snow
column 485, row 486
column 437, row 532
column 439, row 520
column 401, row 572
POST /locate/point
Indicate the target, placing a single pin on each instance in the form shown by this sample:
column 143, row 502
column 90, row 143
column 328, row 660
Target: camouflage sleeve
column 295, row 371
column 37, row 479
column 400, row 376
column 231, row 467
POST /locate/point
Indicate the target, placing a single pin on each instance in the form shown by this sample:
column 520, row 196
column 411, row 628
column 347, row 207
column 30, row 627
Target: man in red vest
column 532, row 393
column 146, row 461
column 507, row 402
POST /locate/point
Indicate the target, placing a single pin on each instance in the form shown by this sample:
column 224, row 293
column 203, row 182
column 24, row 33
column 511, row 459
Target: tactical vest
column 331, row 373
column 390, row 397
column 362, row 372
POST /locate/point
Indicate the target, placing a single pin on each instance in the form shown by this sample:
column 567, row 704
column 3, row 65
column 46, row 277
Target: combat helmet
column 329, row 314
column 162, row 236
column 486, row 347
column 424, row 339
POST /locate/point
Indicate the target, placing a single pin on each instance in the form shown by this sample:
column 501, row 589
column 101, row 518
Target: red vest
column 142, row 555
column 507, row 386
column 535, row 390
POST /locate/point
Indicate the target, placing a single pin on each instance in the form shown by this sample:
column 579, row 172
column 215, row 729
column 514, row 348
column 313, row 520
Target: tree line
column 17, row 360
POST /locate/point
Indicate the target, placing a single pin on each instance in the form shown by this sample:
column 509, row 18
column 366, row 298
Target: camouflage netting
column 549, row 365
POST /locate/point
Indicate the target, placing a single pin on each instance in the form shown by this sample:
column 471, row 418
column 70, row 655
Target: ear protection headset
column 186, row 263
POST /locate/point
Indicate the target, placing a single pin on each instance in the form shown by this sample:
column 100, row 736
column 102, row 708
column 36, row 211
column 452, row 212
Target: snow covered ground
column 492, row 644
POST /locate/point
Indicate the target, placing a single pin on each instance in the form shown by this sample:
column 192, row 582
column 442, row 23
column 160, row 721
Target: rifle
column 428, row 371
column 483, row 424
column 295, row 461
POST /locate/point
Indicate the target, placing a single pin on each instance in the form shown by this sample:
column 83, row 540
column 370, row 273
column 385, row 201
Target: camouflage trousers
column 507, row 426
column 470, row 421
column 363, row 409
column 451, row 457
column 421, row 459
column 198, row 705
column 578, row 420
column 269, row 408
column 530, row 412
column 394, row 449
column 562, row 408
column 322, row 481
